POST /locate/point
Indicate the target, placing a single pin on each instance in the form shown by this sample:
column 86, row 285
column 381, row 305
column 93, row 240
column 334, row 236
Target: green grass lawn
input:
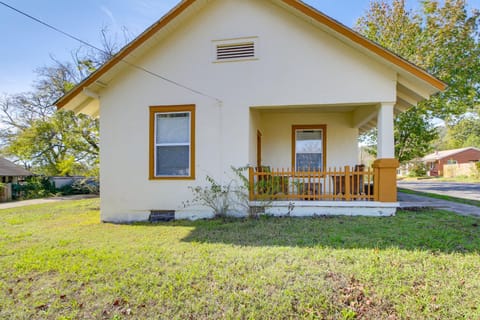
column 467, row 179
column 57, row 261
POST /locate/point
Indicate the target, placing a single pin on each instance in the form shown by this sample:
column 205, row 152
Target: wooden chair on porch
column 355, row 179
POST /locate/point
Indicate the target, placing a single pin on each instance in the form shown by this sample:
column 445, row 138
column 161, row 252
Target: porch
column 346, row 184
column 309, row 156
column 346, row 191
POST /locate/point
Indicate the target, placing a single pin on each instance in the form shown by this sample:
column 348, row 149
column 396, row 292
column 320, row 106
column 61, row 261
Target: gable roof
column 446, row 153
column 81, row 95
column 10, row 169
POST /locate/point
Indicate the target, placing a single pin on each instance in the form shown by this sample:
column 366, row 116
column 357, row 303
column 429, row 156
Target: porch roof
column 413, row 83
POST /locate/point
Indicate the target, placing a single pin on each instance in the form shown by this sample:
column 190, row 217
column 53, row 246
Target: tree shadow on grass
column 437, row 231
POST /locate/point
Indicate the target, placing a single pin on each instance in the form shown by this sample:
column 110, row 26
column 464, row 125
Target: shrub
column 84, row 186
column 33, row 188
column 216, row 196
column 418, row 169
column 222, row 198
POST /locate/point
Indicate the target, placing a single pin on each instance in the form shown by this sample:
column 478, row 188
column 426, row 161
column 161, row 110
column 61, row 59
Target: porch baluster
column 348, row 180
column 251, row 185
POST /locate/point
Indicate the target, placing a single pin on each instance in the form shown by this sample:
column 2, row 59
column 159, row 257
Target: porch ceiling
column 318, row 108
column 364, row 115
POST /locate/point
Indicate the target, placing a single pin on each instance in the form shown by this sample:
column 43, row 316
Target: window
column 309, row 147
column 235, row 49
column 172, row 142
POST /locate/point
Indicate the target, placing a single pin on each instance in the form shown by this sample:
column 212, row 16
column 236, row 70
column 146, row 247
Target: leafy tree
column 463, row 133
column 63, row 144
column 413, row 135
column 44, row 140
column 442, row 39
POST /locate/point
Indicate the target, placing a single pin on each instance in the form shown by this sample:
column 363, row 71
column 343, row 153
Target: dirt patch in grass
column 358, row 301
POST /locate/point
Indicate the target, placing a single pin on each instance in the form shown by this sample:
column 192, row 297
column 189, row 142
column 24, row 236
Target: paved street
column 453, row 189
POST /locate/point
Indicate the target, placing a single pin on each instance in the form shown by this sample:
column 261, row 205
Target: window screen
column 172, row 144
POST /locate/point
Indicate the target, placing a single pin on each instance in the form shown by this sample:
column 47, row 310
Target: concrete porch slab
column 328, row 208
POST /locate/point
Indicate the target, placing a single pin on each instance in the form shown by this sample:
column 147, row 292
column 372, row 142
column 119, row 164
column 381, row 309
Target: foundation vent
column 161, row 215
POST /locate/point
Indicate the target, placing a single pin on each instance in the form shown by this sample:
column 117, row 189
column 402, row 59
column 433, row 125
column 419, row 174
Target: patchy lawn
column 57, row 261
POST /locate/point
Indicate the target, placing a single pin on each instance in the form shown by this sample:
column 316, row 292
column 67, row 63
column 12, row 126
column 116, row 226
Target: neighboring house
column 10, row 173
column 438, row 159
column 215, row 84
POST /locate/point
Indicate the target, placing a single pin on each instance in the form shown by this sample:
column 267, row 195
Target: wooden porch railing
column 331, row 185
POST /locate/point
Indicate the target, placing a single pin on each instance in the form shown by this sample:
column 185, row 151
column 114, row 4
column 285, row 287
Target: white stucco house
column 274, row 84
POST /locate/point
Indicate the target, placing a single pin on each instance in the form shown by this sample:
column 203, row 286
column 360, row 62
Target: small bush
column 229, row 197
column 215, row 196
column 84, row 186
column 33, row 188
column 418, row 169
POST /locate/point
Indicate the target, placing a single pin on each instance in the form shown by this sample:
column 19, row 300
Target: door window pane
column 308, row 149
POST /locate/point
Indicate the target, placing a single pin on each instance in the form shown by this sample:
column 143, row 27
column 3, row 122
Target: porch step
column 161, row 215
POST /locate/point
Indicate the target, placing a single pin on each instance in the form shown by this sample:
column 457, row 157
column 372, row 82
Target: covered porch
column 307, row 157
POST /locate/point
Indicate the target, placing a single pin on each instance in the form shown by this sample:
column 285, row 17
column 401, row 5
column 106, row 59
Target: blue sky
column 27, row 45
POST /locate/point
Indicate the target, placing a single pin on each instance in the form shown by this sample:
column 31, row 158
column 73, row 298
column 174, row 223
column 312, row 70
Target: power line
column 103, row 51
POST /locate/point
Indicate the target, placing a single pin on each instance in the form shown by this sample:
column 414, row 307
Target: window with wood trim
column 172, row 142
column 309, row 145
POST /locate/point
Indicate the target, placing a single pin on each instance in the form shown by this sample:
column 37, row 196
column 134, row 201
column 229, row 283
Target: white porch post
column 385, row 140
column 385, row 167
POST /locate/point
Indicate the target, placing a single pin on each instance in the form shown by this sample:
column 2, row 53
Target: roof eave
column 124, row 52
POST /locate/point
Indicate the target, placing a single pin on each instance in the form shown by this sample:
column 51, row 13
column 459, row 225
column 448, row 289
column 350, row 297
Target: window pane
column 309, row 161
column 309, row 141
column 173, row 128
column 309, row 149
column 173, row 161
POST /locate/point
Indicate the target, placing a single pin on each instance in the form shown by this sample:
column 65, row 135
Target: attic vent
column 235, row 49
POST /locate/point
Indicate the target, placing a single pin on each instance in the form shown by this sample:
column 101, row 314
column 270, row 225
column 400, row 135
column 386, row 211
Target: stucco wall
column 342, row 145
column 298, row 65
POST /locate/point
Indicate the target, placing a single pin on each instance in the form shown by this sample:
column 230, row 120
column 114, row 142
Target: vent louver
column 161, row 215
column 235, row 51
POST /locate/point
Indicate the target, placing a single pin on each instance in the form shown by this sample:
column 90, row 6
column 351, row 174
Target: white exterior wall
column 342, row 145
column 298, row 65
